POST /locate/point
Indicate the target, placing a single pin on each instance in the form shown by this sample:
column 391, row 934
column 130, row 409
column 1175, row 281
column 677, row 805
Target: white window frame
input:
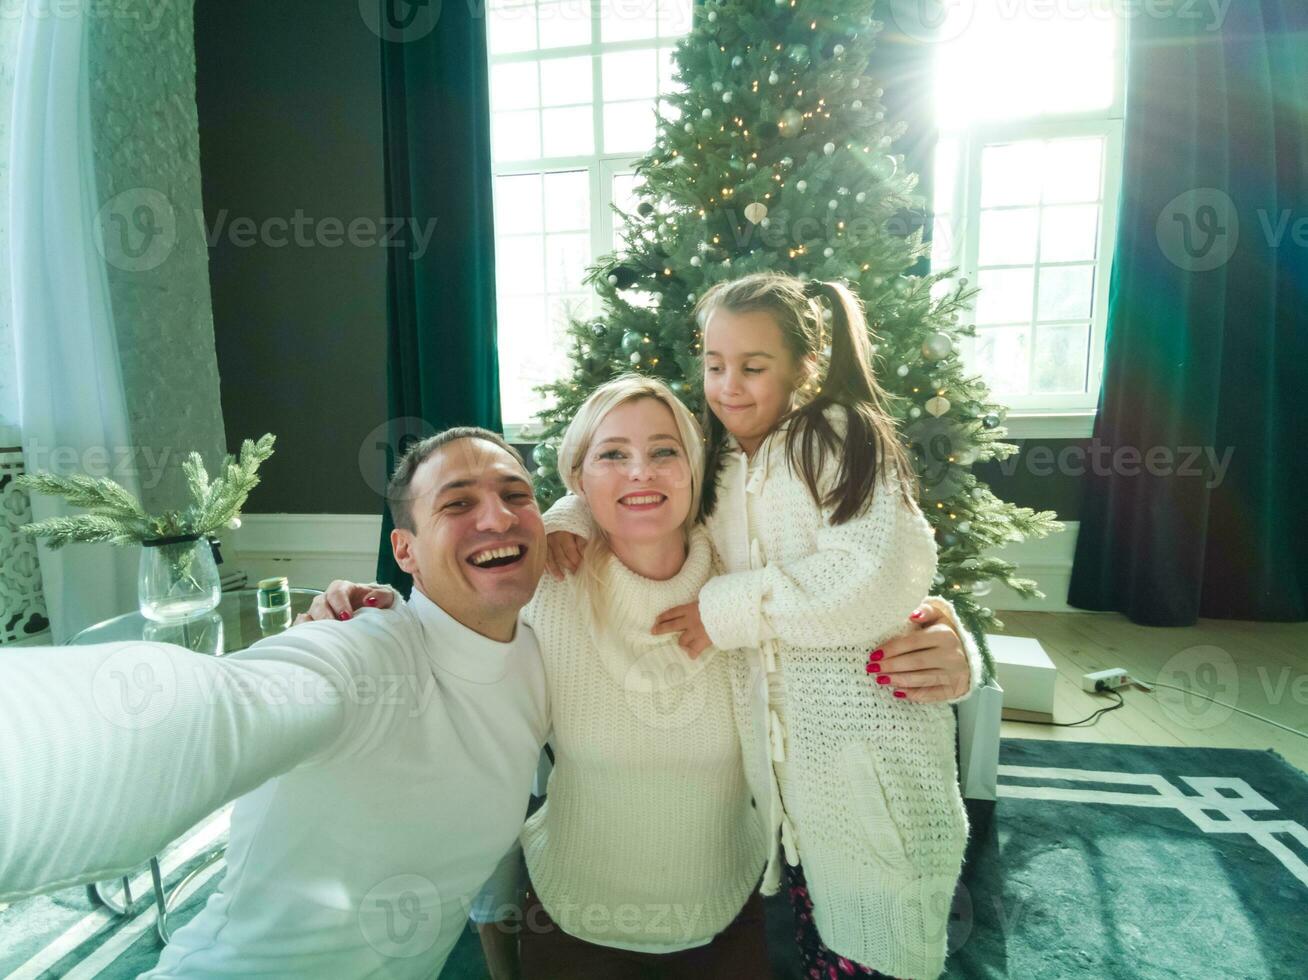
column 602, row 167
column 1043, row 416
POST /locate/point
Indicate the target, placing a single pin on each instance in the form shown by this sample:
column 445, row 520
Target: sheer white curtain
column 72, row 409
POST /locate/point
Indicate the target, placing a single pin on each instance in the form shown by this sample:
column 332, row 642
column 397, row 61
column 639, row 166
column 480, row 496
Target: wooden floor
column 1261, row 667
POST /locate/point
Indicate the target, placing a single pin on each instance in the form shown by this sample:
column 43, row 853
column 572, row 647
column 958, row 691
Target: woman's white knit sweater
column 648, row 839
column 868, row 797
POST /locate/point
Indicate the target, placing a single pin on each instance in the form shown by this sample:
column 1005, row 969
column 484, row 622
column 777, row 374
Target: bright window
column 574, row 89
column 1029, row 105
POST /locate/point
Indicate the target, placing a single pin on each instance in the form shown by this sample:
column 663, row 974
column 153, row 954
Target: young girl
column 809, row 502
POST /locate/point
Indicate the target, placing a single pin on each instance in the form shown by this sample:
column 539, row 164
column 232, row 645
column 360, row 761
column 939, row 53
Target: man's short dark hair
column 398, row 497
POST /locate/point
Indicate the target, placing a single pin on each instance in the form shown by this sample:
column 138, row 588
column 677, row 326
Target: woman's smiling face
column 635, row 476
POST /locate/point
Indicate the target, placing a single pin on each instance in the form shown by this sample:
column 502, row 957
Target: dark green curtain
column 1207, row 328
column 442, row 366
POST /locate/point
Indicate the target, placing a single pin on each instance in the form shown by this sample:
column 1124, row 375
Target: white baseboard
column 309, row 549
column 313, row 549
column 1049, row 562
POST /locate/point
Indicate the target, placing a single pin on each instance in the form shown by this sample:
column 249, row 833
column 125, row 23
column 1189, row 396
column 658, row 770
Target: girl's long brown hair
column 871, row 438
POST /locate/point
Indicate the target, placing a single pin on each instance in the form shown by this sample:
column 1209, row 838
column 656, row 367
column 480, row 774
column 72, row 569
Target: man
column 383, row 765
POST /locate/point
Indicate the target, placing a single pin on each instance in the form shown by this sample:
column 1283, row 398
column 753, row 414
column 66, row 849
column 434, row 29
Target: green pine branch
column 118, row 517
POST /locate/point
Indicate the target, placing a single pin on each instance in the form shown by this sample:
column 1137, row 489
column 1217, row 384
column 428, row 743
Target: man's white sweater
column 383, row 767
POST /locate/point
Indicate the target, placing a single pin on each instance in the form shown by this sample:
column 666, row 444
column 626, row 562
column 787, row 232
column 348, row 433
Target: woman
column 646, row 857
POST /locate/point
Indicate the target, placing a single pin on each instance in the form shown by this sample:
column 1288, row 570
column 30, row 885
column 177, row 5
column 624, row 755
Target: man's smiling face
column 477, row 547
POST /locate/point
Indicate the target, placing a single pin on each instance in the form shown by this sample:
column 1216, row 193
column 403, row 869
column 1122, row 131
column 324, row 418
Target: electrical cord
column 1224, row 704
column 1088, row 718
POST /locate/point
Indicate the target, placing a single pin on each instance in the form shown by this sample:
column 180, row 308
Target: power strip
column 1105, row 680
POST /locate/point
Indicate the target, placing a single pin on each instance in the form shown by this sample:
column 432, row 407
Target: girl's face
column 635, row 476
column 749, row 376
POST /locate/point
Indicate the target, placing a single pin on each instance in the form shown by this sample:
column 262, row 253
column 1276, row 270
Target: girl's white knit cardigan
column 878, row 814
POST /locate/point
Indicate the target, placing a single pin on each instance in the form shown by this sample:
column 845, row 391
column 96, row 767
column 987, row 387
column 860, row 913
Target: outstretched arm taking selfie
column 111, row 751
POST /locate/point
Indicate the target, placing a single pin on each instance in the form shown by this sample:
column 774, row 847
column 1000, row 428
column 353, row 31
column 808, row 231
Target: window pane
column 517, row 204
column 670, row 112
column 513, row 86
column 562, row 309
column 630, row 75
column 674, row 17
column 515, row 135
column 1066, row 292
column 564, row 24
column 1072, row 170
column 942, row 245
column 1003, row 360
column 566, row 81
column 568, row 132
column 1008, row 237
column 1076, row 69
column 1010, row 174
column 1061, row 359
column 1001, row 60
column 521, row 321
column 1006, row 296
column 1069, row 234
column 525, row 255
column 945, row 175
column 566, row 258
column 628, row 126
column 567, row 201
column 510, row 29
column 628, row 20
column 625, row 187
column 668, row 69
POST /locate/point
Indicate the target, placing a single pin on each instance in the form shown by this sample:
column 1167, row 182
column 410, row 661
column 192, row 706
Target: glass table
column 234, row 624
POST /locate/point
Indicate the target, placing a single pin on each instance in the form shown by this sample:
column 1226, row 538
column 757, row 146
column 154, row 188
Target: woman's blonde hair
column 577, row 442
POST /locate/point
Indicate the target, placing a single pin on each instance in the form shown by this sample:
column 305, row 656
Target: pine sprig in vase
column 116, row 517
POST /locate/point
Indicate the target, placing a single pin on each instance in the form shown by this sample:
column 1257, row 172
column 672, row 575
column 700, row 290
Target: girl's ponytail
column 846, row 378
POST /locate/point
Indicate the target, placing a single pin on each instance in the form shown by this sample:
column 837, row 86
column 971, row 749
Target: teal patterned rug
column 1096, row 861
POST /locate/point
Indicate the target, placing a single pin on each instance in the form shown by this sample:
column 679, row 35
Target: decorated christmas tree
column 778, row 155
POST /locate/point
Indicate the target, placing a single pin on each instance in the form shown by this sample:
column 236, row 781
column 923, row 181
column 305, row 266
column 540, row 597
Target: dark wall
column 289, row 96
column 1046, row 474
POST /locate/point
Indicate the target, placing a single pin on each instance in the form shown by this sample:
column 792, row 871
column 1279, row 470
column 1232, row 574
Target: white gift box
column 1027, row 676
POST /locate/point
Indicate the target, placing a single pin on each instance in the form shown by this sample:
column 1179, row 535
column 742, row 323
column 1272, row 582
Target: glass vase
column 178, row 578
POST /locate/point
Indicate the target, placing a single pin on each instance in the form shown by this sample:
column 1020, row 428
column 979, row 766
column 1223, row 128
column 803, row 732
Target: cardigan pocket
column 883, row 838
